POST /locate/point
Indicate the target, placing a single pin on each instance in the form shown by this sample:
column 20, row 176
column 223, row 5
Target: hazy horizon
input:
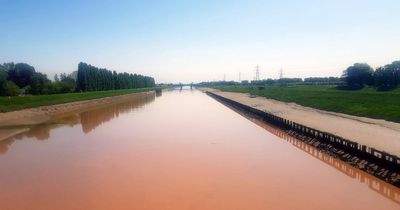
column 180, row 41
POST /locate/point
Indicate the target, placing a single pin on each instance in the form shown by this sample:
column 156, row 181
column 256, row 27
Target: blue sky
column 188, row 41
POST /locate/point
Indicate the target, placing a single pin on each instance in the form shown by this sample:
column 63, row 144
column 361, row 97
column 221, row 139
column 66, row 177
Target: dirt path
column 379, row 134
column 12, row 123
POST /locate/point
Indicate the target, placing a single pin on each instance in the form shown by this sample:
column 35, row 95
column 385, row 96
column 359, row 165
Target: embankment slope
column 379, row 134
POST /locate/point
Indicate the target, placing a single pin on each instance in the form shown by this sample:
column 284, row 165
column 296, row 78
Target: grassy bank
column 21, row 102
column 366, row 102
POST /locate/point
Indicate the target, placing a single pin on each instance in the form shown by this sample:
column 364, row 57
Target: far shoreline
column 16, row 122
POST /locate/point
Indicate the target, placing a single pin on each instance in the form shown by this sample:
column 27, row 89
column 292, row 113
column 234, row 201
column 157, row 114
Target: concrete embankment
column 376, row 153
column 12, row 123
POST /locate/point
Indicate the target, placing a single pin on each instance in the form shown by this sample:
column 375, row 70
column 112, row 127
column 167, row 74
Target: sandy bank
column 379, row 134
column 12, row 123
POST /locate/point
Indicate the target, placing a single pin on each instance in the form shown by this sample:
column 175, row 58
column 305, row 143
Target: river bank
column 377, row 162
column 366, row 102
column 380, row 134
column 15, row 103
column 15, row 122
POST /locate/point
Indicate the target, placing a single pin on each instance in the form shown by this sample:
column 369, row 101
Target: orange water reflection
column 385, row 189
column 183, row 150
column 88, row 119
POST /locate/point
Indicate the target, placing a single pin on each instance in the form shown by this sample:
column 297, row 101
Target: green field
column 366, row 102
column 21, row 102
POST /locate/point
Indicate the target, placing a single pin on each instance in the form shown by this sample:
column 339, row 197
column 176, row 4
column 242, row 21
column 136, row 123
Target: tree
column 394, row 68
column 322, row 80
column 56, row 78
column 66, row 85
column 20, row 73
column 388, row 77
column 3, row 78
column 358, row 75
column 73, row 75
column 81, row 77
column 38, row 84
column 10, row 89
column 91, row 78
column 63, row 76
column 7, row 66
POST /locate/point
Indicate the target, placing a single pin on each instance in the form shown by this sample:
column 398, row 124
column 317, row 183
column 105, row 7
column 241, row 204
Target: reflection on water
column 182, row 151
column 92, row 119
column 5, row 144
column 89, row 120
column 39, row 133
column 387, row 190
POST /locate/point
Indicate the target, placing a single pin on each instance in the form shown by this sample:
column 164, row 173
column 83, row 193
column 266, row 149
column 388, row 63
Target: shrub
column 10, row 89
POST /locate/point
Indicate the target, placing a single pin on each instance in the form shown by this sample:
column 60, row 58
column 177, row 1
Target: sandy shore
column 12, row 123
column 379, row 134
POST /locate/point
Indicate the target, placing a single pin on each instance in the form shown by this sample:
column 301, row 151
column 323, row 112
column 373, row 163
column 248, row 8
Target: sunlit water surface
column 182, row 150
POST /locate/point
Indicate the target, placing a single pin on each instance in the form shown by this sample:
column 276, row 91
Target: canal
column 181, row 150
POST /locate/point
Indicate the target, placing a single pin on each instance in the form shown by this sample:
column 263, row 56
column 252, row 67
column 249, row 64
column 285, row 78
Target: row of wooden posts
column 352, row 147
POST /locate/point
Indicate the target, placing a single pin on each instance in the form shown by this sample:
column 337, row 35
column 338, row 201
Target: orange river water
column 181, row 150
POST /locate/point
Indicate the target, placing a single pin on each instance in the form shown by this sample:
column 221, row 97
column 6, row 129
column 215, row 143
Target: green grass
column 366, row 102
column 22, row 102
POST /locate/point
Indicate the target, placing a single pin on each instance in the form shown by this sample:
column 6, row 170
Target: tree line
column 384, row 78
column 91, row 78
column 357, row 76
column 22, row 79
column 281, row 81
